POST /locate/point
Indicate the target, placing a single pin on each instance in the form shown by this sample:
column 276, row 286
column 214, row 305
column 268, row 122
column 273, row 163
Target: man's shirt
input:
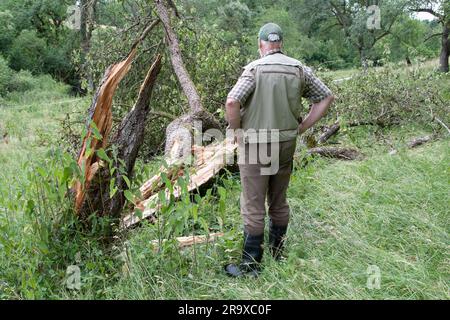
column 315, row 90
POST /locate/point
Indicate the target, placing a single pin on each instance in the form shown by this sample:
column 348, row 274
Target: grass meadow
column 376, row 228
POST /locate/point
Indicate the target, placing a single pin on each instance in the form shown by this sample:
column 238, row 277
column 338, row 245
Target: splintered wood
column 207, row 162
column 100, row 114
column 184, row 242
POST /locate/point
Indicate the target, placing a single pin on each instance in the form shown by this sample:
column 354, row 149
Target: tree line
column 327, row 34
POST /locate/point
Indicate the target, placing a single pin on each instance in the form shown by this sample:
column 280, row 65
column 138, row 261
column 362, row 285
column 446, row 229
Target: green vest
column 276, row 102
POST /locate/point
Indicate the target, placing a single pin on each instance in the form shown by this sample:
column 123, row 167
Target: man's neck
column 271, row 51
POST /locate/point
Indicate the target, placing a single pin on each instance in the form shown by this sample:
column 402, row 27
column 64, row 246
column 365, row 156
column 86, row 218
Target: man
column 267, row 98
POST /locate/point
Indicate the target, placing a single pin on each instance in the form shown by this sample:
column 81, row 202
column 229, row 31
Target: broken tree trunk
column 92, row 191
column 99, row 114
column 179, row 133
column 127, row 141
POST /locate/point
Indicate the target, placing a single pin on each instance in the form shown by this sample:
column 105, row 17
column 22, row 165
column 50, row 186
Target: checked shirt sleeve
column 315, row 90
column 244, row 87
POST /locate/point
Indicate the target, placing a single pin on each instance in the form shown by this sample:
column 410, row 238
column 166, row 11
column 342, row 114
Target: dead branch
column 335, row 152
column 441, row 123
column 329, row 132
column 146, row 32
column 419, row 141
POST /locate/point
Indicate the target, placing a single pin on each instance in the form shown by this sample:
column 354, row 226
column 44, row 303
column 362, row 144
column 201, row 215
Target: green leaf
column 129, row 196
column 195, row 213
column 139, row 213
column 95, row 131
column 112, row 187
column 83, row 133
column 101, row 153
column 127, row 181
column 204, row 224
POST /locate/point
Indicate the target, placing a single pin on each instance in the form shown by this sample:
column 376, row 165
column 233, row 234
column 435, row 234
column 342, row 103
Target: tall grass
column 387, row 213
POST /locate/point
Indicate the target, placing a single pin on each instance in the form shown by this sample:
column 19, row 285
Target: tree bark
column 419, row 141
column 329, row 132
column 87, row 8
column 445, row 50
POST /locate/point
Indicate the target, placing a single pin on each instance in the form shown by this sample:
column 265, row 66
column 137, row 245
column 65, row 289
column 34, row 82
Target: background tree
column 441, row 10
column 87, row 25
column 362, row 27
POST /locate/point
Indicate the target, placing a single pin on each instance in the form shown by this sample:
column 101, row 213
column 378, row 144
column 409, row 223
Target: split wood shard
column 184, row 242
column 208, row 161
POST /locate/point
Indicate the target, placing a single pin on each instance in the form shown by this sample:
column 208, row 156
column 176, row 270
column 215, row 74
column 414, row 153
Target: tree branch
column 177, row 61
column 432, row 36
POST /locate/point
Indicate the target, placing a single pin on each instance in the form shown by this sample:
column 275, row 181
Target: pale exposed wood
column 184, row 242
column 91, row 195
column 208, row 161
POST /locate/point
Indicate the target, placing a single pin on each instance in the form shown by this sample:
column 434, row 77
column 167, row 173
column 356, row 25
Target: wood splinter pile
column 207, row 162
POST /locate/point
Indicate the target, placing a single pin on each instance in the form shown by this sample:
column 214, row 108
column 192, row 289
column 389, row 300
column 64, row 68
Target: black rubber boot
column 251, row 258
column 277, row 235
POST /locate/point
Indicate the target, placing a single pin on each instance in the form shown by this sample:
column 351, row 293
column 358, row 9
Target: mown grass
column 387, row 212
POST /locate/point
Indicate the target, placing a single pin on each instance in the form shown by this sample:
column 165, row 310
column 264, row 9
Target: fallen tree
column 209, row 161
column 416, row 142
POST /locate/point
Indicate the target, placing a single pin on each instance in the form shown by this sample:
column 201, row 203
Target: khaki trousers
column 258, row 185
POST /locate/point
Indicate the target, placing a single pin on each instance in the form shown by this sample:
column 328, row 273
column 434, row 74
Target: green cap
column 271, row 32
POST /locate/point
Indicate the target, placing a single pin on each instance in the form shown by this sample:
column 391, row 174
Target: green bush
column 22, row 81
column 7, row 30
column 387, row 97
column 28, row 52
column 5, row 76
